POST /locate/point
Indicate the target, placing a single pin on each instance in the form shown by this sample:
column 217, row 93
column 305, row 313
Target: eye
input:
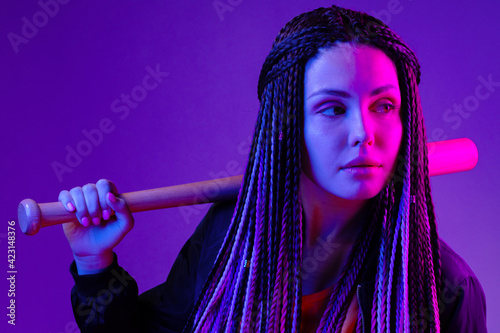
column 385, row 107
column 332, row 110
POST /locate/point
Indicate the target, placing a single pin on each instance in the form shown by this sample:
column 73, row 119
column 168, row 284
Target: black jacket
column 109, row 301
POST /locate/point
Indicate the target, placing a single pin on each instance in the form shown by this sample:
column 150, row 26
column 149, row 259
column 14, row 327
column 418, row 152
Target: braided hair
column 255, row 284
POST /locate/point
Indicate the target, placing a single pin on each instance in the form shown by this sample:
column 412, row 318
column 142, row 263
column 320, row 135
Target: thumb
column 120, row 208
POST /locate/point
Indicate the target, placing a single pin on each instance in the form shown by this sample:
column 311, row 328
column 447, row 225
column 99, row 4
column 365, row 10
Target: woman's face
column 352, row 106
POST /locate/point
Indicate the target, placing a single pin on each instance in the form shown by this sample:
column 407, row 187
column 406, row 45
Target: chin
column 360, row 196
column 363, row 193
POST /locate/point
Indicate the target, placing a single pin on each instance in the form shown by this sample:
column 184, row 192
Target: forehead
column 349, row 66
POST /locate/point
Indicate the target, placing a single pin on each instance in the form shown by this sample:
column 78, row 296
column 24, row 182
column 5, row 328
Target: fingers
column 92, row 203
column 66, row 200
column 103, row 187
column 74, row 201
column 89, row 202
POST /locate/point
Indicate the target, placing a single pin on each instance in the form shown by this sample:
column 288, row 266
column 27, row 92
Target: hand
column 104, row 219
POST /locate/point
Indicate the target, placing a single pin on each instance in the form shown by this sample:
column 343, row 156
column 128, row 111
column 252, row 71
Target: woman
column 334, row 227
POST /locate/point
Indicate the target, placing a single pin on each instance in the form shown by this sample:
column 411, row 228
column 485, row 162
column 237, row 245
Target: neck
column 331, row 226
column 329, row 216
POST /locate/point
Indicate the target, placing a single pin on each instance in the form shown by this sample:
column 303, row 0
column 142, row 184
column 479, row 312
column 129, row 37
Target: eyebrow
column 345, row 94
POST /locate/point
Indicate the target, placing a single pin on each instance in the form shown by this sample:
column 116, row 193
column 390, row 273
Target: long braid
column 379, row 302
column 404, row 211
column 277, row 250
column 293, row 209
column 428, row 249
column 274, row 212
column 426, row 235
column 417, row 272
column 359, row 323
column 285, row 250
column 255, row 284
column 297, row 208
column 271, row 214
column 258, row 256
column 431, row 218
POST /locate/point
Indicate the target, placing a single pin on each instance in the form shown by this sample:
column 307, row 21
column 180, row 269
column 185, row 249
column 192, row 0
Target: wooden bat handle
column 444, row 157
column 33, row 216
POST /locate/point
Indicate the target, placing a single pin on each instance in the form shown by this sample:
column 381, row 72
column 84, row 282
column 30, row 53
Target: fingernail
column 105, row 214
column 70, row 206
column 111, row 197
column 85, row 221
column 96, row 220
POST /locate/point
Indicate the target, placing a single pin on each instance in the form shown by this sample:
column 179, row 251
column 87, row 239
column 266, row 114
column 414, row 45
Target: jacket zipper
column 360, row 310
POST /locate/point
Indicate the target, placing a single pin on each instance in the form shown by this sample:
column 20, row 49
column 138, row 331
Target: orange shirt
column 314, row 305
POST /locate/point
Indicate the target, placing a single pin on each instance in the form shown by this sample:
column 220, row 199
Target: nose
column 360, row 128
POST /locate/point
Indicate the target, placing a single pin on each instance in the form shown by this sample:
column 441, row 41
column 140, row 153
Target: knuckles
column 79, row 194
column 103, row 184
column 63, row 195
column 75, row 191
column 88, row 188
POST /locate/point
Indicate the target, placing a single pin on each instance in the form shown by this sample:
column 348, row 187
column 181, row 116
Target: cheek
column 321, row 148
column 319, row 134
column 315, row 147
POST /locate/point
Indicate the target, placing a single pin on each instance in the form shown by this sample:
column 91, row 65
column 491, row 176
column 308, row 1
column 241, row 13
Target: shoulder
column 212, row 230
column 218, row 218
column 453, row 267
column 462, row 302
column 171, row 303
column 206, row 240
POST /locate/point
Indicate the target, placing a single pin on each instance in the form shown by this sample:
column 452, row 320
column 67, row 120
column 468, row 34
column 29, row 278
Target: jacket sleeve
column 109, row 301
column 464, row 306
column 104, row 302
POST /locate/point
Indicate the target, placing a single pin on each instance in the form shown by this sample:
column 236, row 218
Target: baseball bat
column 445, row 157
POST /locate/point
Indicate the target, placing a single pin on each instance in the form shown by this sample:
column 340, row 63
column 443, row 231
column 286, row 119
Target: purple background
column 200, row 118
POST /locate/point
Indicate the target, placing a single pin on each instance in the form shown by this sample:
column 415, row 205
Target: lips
column 362, row 161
